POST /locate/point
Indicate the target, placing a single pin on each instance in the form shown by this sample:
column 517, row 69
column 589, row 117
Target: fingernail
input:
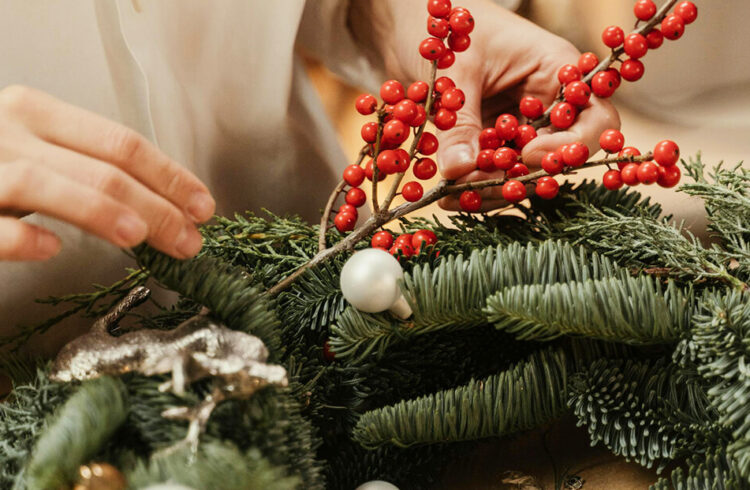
column 189, row 242
column 130, row 230
column 47, row 245
column 201, row 206
column 460, row 154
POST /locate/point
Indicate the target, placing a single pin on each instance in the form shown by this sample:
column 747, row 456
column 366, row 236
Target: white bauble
column 377, row 485
column 369, row 280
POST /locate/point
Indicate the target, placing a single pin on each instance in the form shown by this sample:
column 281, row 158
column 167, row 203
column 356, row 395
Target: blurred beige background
column 696, row 91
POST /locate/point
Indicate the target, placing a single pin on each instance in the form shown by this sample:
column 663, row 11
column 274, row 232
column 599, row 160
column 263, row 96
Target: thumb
column 459, row 145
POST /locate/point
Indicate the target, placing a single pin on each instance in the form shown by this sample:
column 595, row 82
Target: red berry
column 428, row 144
column 388, row 111
column 453, row 99
column 577, row 93
column 587, row 62
column 644, row 9
column 488, row 139
column 354, row 175
column 395, row 131
column 569, row 73
column 445, row 119
column 370, row 132
column 687, row 11
column 438, row 27
column 439, row 8
column 612, row 180
column 328, row 353
column 470, row 201
column 611, row 141
column 629, row 174
column 563, row 115
column 514, row 191
column 518, row 170
column 604, row 84
column 391, row 91
column 412, row 191
column 458, row 9
column 613, row 36
column 447, row 60
column 420, row 118
column 424, row 169
column 654, row 39
column 402, row 160
column 403, row 246
column 418, row 91
column 531, row 107
column 356, row 197
column 648, row 173
column 382, row 239
column 526, row 133
column 626, row 152
column 666, row 153
column 616, row 75
column 423, row 238
column 405, row 111
column 669, row 176
column 443, row 83
column 387, row 162
column 505, row 158
column 459, row 43
column 547, row 188
column 506, row 126
column 348, row 208
column 369, row 172
column 366, row 104
column 636, row 46
column 552, row 163
column 575, row 154
column 632, row 70
column 432, row 48
column 345, row 222
column 673, row 27
column 462, row 23
column 485, row 160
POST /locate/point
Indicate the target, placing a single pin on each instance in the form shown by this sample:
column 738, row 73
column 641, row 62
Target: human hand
column 509, row 58
column 71, row 164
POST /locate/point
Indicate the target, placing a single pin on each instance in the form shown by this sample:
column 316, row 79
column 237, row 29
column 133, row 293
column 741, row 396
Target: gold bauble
column 100, row 476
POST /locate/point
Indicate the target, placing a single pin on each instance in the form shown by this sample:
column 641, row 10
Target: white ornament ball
column 369, row 280
column 377, row 485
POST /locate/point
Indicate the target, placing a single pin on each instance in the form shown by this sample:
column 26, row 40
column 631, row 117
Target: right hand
column 62, row 161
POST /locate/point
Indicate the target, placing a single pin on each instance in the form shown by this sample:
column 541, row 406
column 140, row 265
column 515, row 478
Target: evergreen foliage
column 593, row 303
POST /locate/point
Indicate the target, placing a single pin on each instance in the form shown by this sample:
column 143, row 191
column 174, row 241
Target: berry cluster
column 501, row 145
column 402, row 111
column 405, row 245
column 662, row 170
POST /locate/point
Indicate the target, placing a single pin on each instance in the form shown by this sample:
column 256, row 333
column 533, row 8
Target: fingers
column 31, row 187
column 88, row 133
column 592, row 121
column 492, row 197
column 459, row 146
column 169, row 230
column 24, row 241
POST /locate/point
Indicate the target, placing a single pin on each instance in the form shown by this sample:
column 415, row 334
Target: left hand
column 509, row 58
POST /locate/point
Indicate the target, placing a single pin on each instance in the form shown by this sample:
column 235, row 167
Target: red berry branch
column 404, row 113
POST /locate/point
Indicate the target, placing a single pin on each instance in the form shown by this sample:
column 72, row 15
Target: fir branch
column 648, row 411
column 645, row 242
column 524, row 397
column 452, row 295
column 80, row 429
column 89, row 304
column 23, row 417
column 227, row 292
column 632, row 310
column 712, row 469
column 216, row 465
